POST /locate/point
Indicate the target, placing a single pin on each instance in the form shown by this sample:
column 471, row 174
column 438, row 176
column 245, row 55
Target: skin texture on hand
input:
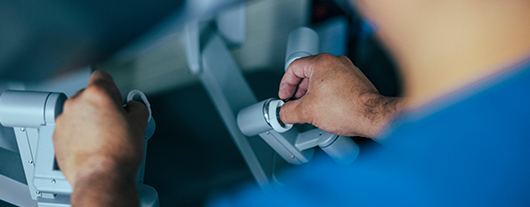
column 334, row 96
column 99, row 144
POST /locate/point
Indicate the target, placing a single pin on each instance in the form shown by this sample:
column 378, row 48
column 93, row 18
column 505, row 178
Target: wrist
column 105, row 185
column 379, row 111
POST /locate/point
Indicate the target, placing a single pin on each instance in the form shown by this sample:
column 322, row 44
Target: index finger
column 105, row 81
column 296, row 72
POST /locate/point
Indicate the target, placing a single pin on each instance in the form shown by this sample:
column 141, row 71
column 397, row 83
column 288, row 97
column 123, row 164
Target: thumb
column 295, row 112
column 138, row 113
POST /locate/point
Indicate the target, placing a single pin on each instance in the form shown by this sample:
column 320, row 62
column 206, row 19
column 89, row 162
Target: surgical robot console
column 294, row 147
column 32, row 115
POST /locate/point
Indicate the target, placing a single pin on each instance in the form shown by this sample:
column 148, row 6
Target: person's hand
column 335, row 96
column 99, row 144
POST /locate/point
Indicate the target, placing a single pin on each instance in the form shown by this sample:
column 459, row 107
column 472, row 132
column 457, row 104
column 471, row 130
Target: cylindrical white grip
column 302, row 42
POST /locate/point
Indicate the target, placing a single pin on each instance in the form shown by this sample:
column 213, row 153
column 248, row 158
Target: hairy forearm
column 380, row 111
column 109, row 188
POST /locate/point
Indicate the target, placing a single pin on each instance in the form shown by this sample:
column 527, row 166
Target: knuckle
column 93, row 90
column 96, row 95
column 296, row 63
column 342, row 57
column 326, row 56
column 345, row 59
column 101, row 76
column 96, row 92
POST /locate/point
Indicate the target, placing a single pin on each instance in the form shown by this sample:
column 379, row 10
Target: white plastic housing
column 302, row 42
column 23, row 108
column 251, row 120
column 343, row 150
